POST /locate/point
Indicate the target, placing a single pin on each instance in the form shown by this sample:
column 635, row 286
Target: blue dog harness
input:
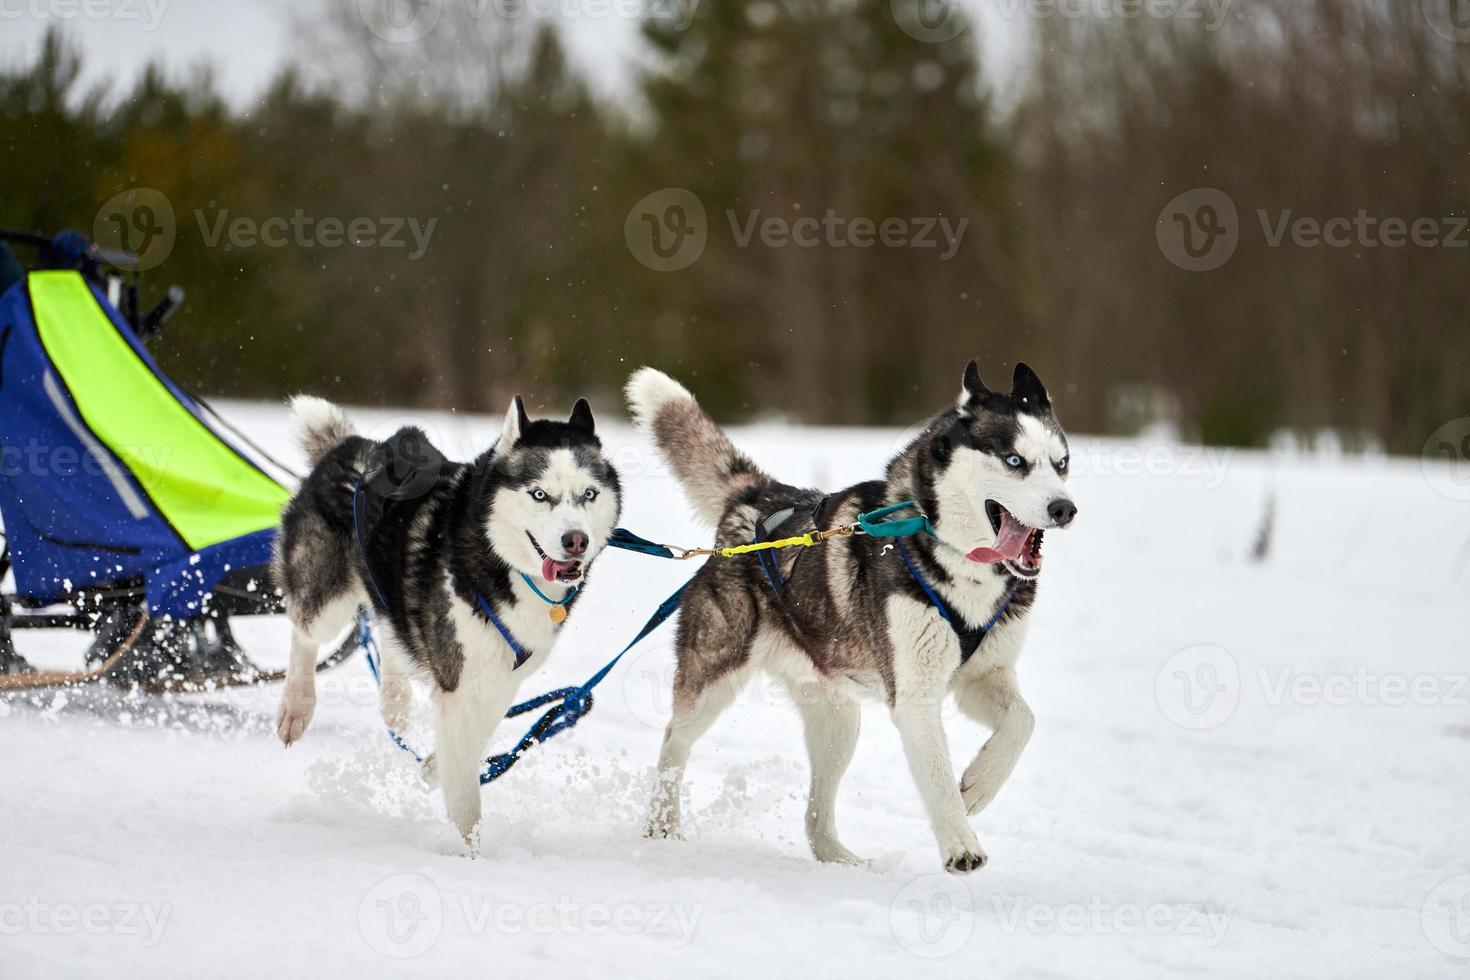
column 969, row 639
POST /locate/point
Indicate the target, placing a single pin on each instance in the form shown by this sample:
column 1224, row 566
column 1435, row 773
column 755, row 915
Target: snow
column 1239, row 769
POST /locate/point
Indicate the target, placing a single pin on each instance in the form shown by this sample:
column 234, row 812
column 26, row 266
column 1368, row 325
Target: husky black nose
column 1061, row 511
column 575, row 542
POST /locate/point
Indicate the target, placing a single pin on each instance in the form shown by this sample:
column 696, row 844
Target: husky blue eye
column 538, row 494
column 1062, row 466
column 1013, row 461
column 591, row 494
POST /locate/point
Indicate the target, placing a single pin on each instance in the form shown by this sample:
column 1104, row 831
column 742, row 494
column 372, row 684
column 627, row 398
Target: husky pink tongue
column 550, row 570
column 1009, row 542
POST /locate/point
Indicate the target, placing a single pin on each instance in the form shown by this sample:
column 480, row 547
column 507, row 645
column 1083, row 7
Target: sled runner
column 127, row 511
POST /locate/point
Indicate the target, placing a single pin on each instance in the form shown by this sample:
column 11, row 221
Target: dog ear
column 582, row 417
column 1028, row 387
column 515, row 423
column 974, row 389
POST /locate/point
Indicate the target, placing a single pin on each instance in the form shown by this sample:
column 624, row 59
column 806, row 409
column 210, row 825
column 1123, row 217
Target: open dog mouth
column 1016, row 544
column 553, row 570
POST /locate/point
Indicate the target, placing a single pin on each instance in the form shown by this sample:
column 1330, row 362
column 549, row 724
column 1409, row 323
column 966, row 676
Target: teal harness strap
column 876, row 523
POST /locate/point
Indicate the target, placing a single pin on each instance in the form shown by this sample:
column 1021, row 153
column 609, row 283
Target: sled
column 128, row 511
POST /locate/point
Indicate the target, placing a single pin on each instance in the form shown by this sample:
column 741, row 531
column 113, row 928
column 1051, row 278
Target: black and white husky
column 907, row 621
column 470, row 568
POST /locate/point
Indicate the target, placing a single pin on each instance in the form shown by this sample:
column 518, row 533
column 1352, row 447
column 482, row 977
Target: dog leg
column 831, row 722
column 298, row 701
column 395, row 695
column 922, row 730
column 994, row 699
column 465, row 719
column 693, row 715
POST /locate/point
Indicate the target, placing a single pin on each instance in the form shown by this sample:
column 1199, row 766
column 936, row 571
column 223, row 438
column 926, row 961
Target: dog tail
column 707, row 465
column 320, row 426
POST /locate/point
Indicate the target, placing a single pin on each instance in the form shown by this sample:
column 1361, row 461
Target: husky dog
column 908, row 621
column 469, row 568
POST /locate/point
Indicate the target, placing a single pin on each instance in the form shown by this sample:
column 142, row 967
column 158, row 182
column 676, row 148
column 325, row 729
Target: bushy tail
column 708, row 466
column 320, row 426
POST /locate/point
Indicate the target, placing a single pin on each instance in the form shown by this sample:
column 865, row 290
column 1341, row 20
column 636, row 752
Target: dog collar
column 558, row 610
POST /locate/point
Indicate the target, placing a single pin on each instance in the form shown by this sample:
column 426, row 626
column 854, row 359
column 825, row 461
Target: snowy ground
column 1239, row 769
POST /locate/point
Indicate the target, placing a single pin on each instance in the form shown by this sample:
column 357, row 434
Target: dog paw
column 978, row 787
column 395, row 704
column 658, row 829
column 961, row 860
column 395, row 714
column 292, row 717
column 832, row 852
